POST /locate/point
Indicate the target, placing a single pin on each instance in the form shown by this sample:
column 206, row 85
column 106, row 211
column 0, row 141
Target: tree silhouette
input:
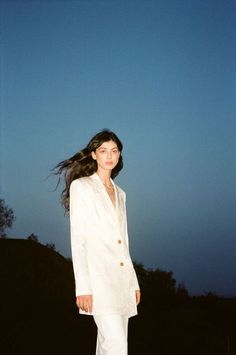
column 6, row 218
column 50, row 246
column 182, row 290
column 33, row 237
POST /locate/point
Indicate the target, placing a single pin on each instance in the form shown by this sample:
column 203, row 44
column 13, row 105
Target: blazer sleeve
column 78, row 238
column 137, row 287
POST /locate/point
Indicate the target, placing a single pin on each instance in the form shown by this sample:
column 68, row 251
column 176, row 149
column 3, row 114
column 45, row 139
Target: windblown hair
column 82, row 164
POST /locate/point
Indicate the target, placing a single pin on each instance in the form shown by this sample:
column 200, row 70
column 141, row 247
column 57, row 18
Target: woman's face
column 107, row 155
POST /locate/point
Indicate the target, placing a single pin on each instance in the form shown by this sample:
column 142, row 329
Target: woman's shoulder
column 83, row 183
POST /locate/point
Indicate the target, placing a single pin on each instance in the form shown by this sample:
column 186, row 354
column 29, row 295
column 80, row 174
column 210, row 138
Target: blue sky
column 161, row 74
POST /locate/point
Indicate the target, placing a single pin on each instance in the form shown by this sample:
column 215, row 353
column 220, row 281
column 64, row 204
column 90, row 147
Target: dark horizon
column 39, row 314
column 53, row 247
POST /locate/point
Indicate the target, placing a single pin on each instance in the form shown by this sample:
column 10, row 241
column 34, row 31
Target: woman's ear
column 93, row 155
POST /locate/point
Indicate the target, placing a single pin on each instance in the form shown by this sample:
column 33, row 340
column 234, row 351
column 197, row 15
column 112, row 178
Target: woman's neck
column 105, row 176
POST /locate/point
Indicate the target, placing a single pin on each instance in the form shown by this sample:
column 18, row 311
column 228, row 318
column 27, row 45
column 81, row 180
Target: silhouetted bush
column 6, row 218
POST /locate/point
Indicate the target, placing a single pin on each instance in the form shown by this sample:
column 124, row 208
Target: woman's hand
column 138, row 296
column 85, row 303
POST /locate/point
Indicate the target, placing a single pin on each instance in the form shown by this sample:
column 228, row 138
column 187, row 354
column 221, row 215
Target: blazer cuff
column 81, row 292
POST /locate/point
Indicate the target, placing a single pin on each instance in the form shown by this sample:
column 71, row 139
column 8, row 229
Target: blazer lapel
column 101, row 190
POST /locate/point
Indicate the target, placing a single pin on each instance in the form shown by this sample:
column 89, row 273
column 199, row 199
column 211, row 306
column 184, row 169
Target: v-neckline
column 114, row 206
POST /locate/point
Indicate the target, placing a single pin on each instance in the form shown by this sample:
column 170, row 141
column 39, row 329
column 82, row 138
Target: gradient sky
column 161, row 74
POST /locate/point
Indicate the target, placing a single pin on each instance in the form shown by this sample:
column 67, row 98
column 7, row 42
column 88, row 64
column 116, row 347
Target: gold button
column 121, row 264
column 119, row 241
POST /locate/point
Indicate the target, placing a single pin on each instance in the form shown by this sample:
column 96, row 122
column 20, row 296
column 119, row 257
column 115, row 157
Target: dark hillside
column 38, row 313
column 37, row 308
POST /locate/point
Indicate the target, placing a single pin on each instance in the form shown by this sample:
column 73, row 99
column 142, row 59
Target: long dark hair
column 82, row 164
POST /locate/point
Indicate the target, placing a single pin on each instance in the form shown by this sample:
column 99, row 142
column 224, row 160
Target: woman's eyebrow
column 107, row 148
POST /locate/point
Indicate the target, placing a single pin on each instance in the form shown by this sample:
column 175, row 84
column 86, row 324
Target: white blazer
column 100, row 248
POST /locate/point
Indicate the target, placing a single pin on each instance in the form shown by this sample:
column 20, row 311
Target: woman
column 106, row 285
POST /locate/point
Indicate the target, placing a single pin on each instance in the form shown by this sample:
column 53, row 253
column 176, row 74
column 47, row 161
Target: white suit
column 100, row 250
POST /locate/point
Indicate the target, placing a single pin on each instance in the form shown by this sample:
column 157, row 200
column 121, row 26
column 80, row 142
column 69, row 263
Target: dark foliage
column 39, row 316
column 33, row 238
column 6, row 218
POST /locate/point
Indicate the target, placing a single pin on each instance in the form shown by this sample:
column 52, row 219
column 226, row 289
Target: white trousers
column 112, row 336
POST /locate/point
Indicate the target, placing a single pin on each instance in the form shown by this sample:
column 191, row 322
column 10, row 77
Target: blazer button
column 121, row 264
column 119, row 241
